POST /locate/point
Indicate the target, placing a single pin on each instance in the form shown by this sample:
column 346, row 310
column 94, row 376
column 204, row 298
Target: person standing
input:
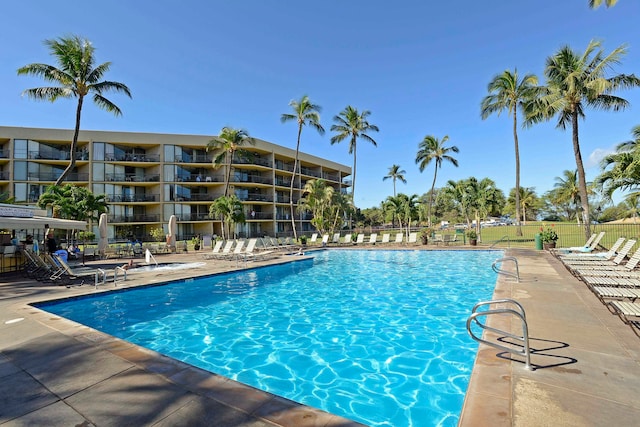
column 52, row 246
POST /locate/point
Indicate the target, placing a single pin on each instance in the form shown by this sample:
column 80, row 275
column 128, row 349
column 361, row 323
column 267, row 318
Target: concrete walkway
column 587, row 361
column 57, row 372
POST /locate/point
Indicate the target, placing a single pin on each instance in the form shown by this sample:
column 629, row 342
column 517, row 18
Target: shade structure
column 103, row 242
column 173, row 230
column 36, row 222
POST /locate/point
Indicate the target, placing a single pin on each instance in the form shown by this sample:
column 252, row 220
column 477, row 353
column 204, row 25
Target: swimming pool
column 375, row 336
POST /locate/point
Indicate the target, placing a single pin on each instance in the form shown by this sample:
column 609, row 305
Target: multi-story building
column 149, row 177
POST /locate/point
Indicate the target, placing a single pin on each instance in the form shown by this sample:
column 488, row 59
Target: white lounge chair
column 413, row 238
column 314, row 238
column 226, row 250
column 325, row 240
column 347, row 239
column 589, row 246
column 575, row 258
column 336, row 238
column 360, row 238
column 385, row 238
column 399, row 238
column 373, row 238
column 215, row 251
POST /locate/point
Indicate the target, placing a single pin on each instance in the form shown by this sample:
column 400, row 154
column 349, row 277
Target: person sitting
column 74, row 251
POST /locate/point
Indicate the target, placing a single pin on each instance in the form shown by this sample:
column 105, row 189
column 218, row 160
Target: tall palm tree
column 228, row 144
column 508, row 92
column 432, row 148
column 230, row 209
column 353, row 125
column 576, row 81
column 317, row 199
column 594, row 4
column 395, row 173
column 568, row 190
column 305, row 113
column 76, row 77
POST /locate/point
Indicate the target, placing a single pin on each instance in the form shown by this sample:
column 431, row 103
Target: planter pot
column 548, row 245
column 473, row 242
column 425, row 240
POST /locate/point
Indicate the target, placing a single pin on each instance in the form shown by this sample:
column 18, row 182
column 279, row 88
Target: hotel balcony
column 133, row 218
column 255, row 197
column 194, row 158
column 132, row 198
column 52, row 176
column 122, row 177
column 58, row 155
column 132, row 157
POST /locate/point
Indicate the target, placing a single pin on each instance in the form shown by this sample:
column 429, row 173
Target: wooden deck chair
column 385, row 238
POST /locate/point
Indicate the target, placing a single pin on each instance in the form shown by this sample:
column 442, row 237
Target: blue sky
column 421, row 68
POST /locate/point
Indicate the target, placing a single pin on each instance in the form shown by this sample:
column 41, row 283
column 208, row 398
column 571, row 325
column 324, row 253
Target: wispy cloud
column 597, row 155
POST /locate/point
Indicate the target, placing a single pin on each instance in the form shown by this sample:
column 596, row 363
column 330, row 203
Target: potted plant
column 196, row 243
column 425, row 234
column 303, row 240
column 549, row 237
column 473, row 237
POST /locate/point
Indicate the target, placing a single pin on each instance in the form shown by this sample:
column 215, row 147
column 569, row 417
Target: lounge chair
column 449, row 238
column 249, row 252
column 399, row 238
column 226, row 250
column 215, row 251
column 437, row 238
column 336, row 238
column 599, row 264
column 611, row 293
column 325, row 240
column 347, row 239
column 627, row 270
column 598, row 256
column 360, row 239
column 589, row 246
column 413, row 238
column 593, row 281
column 385, row 238
column 66, row 272
column 314, row 238
column 629, row 312
column 373, row 238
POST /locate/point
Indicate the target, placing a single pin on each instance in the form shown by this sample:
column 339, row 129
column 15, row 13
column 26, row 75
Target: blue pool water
column 375, row 336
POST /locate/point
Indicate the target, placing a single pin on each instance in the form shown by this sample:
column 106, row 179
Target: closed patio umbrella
column 103, row 243
column 173, row 230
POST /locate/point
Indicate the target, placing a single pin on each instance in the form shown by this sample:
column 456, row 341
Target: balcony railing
column 58, row 155
column 310, row 172
column 260, row 215
column 255, row 197
column 331, row 176
column 131, row 198
column 194, row 158
column 55, row 175
column 252, row 161
column 200, row 178
column 195, row 198
column 194, row 217
column 256, row 179
column 283, row 182
column 296, row 216
column 132, row 157
column 4, row 154
column 284, row 166
column 4, row 175
column 134, row 218
column 154, row 177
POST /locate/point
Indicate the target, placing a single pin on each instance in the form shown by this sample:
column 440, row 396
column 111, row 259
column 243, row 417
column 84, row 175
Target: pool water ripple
column 376, row 336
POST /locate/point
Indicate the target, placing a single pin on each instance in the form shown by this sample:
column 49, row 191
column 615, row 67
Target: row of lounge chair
column 51, row 268
column 612, row 275
column 241, row 250
column 347, row 239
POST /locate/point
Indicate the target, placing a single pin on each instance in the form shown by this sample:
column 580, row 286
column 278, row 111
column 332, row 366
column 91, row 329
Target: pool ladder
column 518, row 311
column 498, row 263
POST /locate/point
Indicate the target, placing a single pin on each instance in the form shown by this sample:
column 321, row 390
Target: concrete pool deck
column 57, row 372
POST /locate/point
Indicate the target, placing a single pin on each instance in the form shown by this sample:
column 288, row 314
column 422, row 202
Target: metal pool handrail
column 517, row 311
column 515, row 275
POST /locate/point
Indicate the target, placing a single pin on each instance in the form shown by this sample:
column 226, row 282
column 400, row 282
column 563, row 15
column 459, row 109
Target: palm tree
column 508, row 92
column 395, row 174
column 568, row 190
column 76, row 77
column 431, row 148
column 305, row 113
column 230, row 209
column 576, row 81
column 228, row 144
column 594, row 4
column 621, row 170
column 353, row 125
column 528, row 200
column 317, row 199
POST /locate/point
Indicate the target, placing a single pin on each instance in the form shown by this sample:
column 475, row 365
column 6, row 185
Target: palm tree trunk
column 293, row 178
column 433, row 186
column 582, row 182
column 226, row 182
column 517, row 153
column 74, row 144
